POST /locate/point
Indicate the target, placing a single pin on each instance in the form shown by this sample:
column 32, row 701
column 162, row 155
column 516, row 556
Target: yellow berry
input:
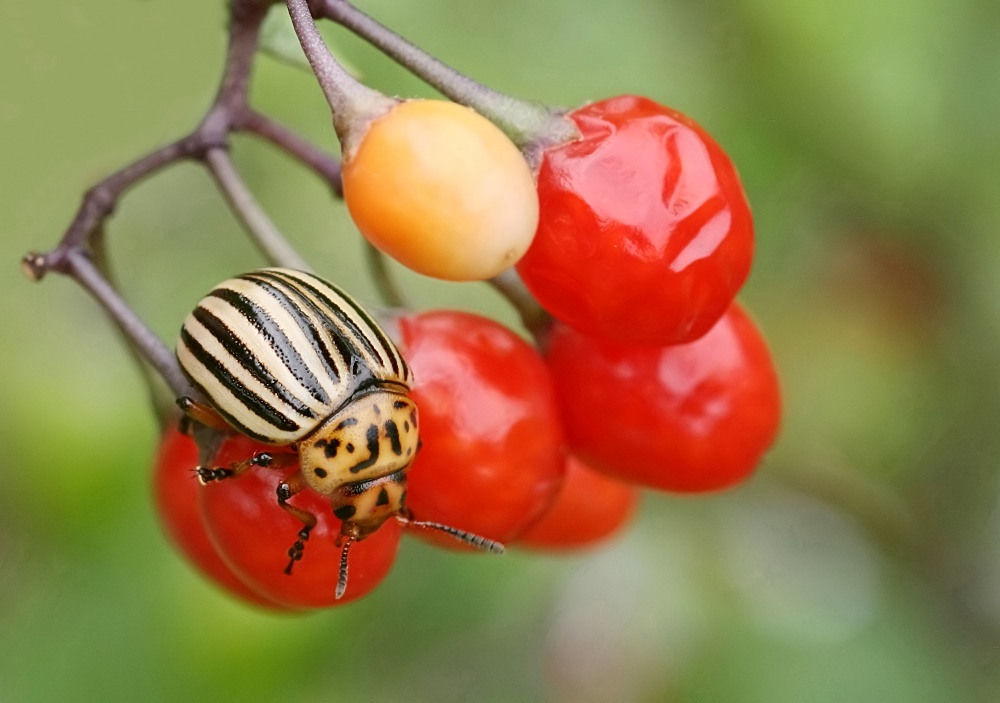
column 442, row 190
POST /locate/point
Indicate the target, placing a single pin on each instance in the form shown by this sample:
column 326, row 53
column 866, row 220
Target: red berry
column 644, row 234
column 691, row 417
column 590, row 507
column 175, row 494
column 491, row 459
column 253, row 534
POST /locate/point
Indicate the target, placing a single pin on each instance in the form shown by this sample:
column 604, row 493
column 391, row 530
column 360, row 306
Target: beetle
column 289, row 359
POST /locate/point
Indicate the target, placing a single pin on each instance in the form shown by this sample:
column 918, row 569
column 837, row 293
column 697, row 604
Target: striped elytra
column 287, row 358
column 276, row 351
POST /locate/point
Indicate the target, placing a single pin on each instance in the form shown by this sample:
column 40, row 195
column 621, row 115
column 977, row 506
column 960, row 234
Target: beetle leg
column 287, row 489
column 262, row 459
column 202, row 413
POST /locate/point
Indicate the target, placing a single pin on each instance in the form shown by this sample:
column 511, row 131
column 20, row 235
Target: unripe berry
column 442, row 190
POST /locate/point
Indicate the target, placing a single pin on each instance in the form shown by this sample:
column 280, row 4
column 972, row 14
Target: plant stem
column 160, row 397
column 208, row 143
column 100, row 200
column 321, row 163
column 245, row 20
column 264, row 234
column 530, row 125
column 385, row 283
column 353, row 104
column 534, row 318
column 81, row 268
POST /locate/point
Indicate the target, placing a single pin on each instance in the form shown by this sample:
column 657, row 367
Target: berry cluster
column 621, row 233
column 543, row 450
column 635, row 239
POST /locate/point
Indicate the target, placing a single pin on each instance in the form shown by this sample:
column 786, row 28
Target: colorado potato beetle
column 289, row 359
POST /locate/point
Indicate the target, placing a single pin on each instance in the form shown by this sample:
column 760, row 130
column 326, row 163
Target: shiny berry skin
column 442, row 190
column 252, row 534
column 691, row 417
column 590, row 507
column 492, row 457
column 175, row 495
column 644, row 234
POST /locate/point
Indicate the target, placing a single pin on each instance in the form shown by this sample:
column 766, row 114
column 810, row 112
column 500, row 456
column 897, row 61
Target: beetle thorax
column 372, row 436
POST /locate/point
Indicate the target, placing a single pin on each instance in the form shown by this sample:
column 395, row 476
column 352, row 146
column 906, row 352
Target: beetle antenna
column 473, row 540
column 342, row 579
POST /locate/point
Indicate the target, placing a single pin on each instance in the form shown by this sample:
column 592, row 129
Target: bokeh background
column 861, row 563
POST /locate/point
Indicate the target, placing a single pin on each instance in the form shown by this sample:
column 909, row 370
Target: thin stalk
column 100, row 200
column 530, row 125
column 322, row 164
column 81, row 268
column 163, row 402
column 353, row 104
column 385, row 283
column 535, row 319
column 258, row 225
column 82, row 243
column 245, row 20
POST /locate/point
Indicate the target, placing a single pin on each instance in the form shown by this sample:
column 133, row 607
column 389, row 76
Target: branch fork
column 79, row 254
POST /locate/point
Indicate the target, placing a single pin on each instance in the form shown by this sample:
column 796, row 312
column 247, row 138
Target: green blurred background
column 862, row 562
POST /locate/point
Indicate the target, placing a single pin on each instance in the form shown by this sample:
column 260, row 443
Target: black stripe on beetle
column 399, row 367
column 267, row 327
column 307, row 330
column 247, row 359
column 373, row 450
column 314, row 317
column 354, row 332
column 247, row 398
column 392, row 432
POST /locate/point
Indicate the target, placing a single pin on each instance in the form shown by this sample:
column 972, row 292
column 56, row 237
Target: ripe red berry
column 644, row 234
column 491, row 459
column 590, row 507
column 690, row 417
column 175, row 495
column 253, row 534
